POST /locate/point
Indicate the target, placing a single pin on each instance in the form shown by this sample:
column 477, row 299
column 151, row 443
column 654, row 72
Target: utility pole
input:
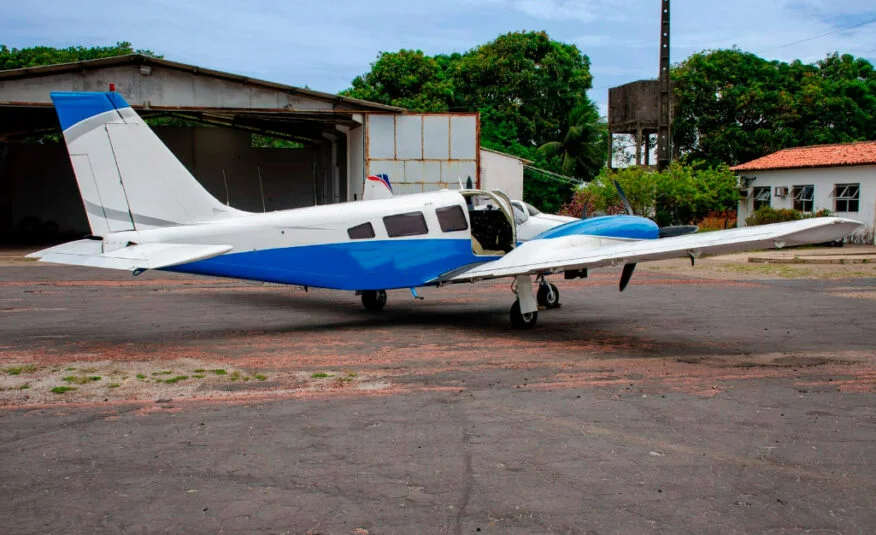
column 664, row 116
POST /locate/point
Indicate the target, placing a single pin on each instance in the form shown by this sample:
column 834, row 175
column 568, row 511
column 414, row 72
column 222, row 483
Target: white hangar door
column 423, row 152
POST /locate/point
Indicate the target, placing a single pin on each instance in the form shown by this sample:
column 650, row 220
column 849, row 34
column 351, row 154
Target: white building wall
column 502, row 172
column 823, row 179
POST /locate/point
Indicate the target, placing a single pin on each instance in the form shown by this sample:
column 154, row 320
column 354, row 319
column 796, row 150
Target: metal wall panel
column 423, row 152
column 464, row 137
column 381, row 137
column 409, row 137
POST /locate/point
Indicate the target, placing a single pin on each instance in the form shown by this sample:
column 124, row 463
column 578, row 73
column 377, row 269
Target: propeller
column 627, row 273
column 623, row 196
column 626, row 276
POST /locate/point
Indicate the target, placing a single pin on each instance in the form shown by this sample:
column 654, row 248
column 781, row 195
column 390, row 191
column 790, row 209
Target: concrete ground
column 701, row 400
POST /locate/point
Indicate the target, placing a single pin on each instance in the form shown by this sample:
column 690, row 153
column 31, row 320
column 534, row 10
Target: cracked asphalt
column 687, row 404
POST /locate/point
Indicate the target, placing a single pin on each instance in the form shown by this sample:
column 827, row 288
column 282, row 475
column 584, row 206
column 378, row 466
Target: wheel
column 548, row 296
column 374, row 299
column 522, row 321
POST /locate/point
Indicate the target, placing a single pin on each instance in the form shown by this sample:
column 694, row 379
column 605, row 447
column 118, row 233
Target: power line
column 835, row 30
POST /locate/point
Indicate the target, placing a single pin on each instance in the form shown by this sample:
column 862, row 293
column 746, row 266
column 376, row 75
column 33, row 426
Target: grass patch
column 81, row 379
column 321, row 375
column 260, row 377
column 176, row 379
column 235, row 375
column 200, row 370
column 166, row 372
column 113, row 385
column 219, row 371
column 16, row 370
column 25, row 386
column 62, row 389
column 352, row 374
column 140, row 376
column 69, row 369
column 198, row 376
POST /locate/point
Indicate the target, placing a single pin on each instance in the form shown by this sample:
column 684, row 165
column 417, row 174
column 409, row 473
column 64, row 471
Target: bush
column 766, row 215
column 680, row 195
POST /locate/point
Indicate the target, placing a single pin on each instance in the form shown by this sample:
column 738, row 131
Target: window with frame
column 762, row 196
column 410, row 224
column 846, row 197
column 361, row 232
column 451, row 218
column 804, row 197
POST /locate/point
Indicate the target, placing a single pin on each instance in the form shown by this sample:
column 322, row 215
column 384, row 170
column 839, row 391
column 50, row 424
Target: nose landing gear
column 373, row 299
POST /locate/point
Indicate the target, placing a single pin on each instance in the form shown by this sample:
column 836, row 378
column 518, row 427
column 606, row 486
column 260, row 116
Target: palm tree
column 583, row 149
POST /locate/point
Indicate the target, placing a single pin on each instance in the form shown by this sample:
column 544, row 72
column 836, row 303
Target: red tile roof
column 861, row 153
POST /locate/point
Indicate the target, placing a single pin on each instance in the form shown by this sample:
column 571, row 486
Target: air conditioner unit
column 780, row 191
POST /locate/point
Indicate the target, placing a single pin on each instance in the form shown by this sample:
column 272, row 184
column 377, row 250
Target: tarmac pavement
column 683, row 405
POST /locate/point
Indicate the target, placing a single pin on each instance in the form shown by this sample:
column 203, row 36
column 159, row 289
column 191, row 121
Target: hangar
column 256, row 145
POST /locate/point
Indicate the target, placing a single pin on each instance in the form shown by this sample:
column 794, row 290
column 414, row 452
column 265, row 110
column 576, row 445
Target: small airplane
column 146, row 211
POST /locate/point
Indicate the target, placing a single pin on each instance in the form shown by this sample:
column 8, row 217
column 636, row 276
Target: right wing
column 131, row 258
column 578, row 252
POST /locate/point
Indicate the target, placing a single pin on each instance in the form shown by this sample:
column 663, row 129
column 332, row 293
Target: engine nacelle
column 610, row 226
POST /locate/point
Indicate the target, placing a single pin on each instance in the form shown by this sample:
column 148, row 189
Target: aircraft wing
column 134, row 257
column 578, row 252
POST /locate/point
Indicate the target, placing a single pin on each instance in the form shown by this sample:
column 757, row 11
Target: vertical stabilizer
column 128, row 178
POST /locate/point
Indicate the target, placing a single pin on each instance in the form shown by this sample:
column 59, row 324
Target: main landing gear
column 373, row 299
column 524, row 311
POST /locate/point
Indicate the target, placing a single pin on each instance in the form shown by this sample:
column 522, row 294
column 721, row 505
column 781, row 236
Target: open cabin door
column 493, row 231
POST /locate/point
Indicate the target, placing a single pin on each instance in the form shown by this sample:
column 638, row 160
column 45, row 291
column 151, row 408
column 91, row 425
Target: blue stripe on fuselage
column 361, row 265
column 610, row 226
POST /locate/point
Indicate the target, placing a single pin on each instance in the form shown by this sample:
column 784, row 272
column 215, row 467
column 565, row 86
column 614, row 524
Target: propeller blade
column 623, row 196
column 626, row 275
column 677, row 230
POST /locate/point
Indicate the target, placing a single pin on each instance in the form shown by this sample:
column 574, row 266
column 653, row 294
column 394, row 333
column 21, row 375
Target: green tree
column 529, row 80
column 18, row 58
column 408, row 79
column 583, row 148
column 733, row 106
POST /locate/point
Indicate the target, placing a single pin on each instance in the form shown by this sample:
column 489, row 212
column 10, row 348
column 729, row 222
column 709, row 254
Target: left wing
column 578, row 252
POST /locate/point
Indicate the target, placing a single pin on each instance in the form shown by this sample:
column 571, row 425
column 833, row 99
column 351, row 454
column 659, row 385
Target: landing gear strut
column 373, row 299
column 548, row 295
column 524, row 311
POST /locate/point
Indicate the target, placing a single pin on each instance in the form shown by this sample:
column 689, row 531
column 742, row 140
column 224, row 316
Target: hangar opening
column 254, row 145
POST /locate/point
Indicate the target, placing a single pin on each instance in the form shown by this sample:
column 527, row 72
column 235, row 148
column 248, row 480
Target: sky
column 324, row 44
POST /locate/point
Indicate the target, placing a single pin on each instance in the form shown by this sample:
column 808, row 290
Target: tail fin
column 128, row 178
column 377, row 187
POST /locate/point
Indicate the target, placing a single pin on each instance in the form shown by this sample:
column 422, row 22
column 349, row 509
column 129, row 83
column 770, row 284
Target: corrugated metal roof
column 140, row 59
column 842, row 154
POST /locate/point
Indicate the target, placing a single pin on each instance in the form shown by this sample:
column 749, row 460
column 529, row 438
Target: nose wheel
column 548, row 295
column 374, row 299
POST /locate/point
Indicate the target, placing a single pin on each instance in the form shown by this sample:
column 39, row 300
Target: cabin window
column 847, row 197
column 451, row 219
column 411, row 224
column 361, row 232
column 762, row 196
column 804, row 198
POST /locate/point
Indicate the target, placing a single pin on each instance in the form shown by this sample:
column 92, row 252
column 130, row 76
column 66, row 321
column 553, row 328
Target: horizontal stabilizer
column 134, row 257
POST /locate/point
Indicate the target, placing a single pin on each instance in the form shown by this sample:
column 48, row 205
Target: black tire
column 522, row 321
column 545, row 298
column 373, row 299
